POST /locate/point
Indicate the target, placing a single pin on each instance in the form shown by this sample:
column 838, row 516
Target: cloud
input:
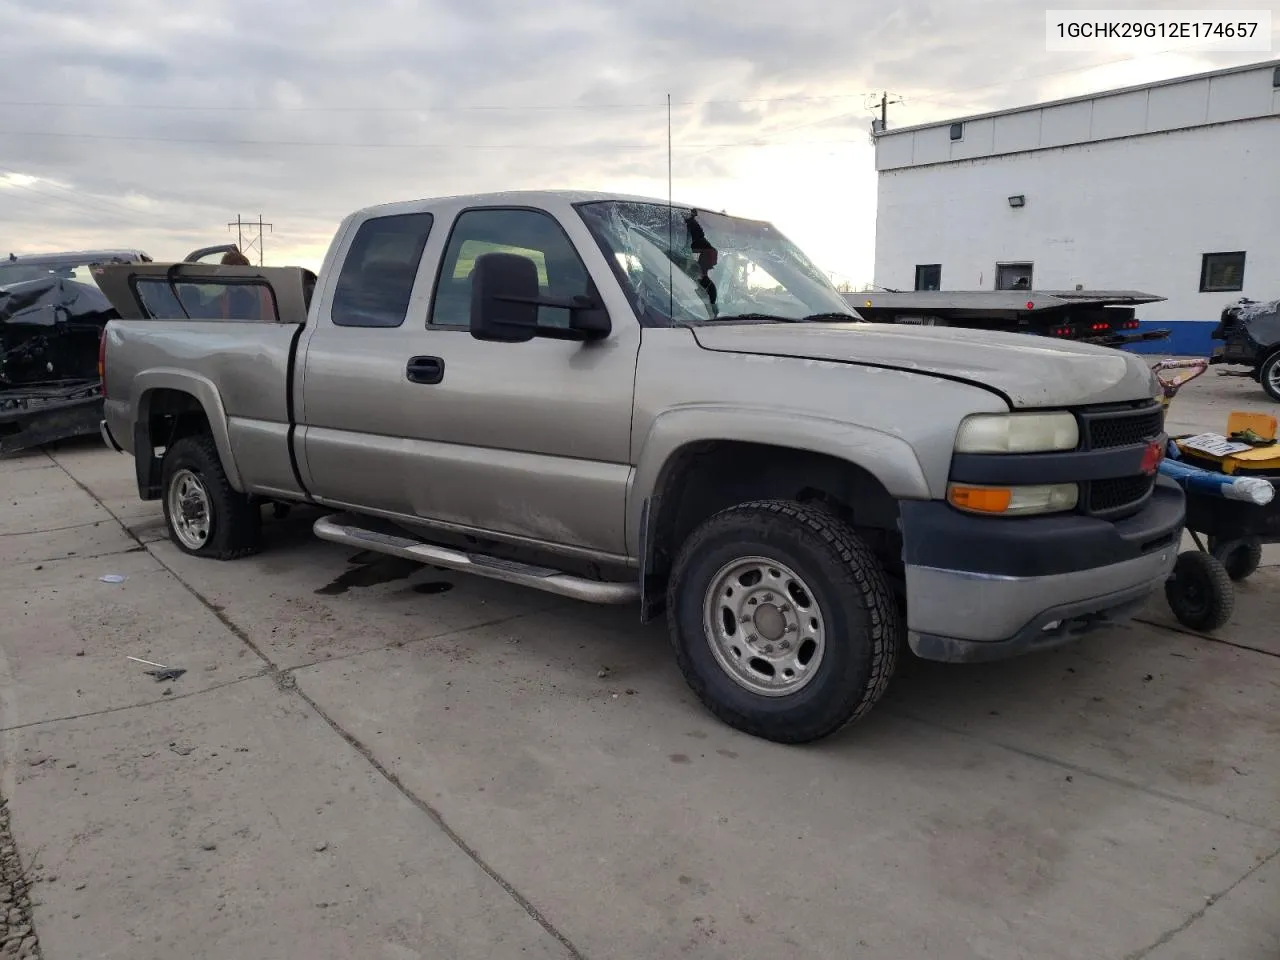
column 153, row 125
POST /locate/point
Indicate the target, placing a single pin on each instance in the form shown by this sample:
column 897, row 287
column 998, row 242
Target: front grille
column 1103, row 431
column 1111, row 496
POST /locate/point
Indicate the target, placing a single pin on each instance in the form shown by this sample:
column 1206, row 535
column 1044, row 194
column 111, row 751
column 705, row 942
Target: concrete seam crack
column 436, row 818
column 287, row 683
column 1168, row 935
column 134, row 706
column 1205, row 637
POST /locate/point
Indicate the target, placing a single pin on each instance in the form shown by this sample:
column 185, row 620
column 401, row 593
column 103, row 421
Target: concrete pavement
column 372, row 759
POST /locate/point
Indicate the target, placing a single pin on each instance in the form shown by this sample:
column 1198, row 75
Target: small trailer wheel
column 1200, row 592
column 1241, row 557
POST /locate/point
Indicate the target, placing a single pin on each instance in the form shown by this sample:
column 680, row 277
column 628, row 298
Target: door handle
column 425, row 370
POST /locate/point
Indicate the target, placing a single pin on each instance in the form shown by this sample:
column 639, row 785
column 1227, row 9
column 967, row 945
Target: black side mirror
column 505, row 298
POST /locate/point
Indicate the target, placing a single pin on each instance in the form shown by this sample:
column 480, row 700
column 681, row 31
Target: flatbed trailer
column 1105, row 317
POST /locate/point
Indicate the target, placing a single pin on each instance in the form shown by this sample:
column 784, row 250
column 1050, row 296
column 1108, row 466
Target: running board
column 346, row 529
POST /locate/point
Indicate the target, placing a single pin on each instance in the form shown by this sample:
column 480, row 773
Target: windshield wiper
column 831, row 315
column 778, row 318
column 773, row 317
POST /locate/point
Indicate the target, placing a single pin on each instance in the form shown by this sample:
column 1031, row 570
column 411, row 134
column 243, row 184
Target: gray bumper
column 955, row 615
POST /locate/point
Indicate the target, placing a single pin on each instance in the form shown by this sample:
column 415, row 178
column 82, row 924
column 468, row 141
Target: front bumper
column 982, row 588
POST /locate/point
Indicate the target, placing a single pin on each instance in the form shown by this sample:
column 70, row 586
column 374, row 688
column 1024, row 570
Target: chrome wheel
column 1272, row 385
column 764, row 626
column 189, row 513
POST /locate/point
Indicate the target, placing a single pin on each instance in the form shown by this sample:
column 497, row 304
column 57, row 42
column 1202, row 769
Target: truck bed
column 241, row 365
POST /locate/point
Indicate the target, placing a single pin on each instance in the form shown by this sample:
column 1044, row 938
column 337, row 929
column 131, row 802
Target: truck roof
column 536, row 198
column 73, row 258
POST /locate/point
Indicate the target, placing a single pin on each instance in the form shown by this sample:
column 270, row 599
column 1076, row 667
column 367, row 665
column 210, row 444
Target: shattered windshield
column 682, row 265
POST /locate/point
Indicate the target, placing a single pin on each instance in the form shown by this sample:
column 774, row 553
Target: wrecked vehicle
column 1250, row 335
column 51, row 319
column 622, row 400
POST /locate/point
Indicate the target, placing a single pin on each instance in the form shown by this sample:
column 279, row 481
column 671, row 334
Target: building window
column 957, row 131
column 1222, row 272
column 1013, row 276
column 928, row 276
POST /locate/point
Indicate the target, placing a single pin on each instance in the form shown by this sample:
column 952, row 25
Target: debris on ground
column 17, row 937
column 162, row 673
column 113, row 578
column 167, row 674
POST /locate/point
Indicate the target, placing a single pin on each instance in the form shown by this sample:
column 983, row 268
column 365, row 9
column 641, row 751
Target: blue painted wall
column 1187, row 338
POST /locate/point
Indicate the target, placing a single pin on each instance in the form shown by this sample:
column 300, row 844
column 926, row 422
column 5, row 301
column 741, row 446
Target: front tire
column 1269, row 376
column 206, row 516
column 783, row 621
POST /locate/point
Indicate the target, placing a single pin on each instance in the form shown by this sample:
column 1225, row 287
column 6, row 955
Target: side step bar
column 347, row 529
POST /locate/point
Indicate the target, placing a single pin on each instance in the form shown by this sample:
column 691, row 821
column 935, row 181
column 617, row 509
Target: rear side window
column 377, row 276
column 241, row 300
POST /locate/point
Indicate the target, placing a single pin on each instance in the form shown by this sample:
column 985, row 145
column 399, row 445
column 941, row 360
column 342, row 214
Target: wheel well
column 166, row 416
column 705, row 478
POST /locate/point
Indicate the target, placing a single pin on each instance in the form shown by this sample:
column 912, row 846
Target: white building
column 1170, row 188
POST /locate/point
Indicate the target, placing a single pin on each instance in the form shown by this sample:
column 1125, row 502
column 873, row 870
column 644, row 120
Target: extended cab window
column 528, row 233
column 377, row 276
column 212, row 299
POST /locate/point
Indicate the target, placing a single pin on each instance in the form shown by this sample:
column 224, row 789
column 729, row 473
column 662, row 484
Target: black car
column 51, row 319
column 1250, row 335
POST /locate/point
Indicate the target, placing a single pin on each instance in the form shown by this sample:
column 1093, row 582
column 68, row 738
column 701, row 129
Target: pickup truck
column 622, row 400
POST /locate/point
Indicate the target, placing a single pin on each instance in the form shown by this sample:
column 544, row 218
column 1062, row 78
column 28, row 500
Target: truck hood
column 1029, row 371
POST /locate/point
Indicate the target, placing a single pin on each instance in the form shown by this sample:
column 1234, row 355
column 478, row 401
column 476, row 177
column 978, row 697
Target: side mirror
column 505, row 298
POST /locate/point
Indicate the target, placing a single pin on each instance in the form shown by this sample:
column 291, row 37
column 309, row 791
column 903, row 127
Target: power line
column 1034, row 76
column 463, row 108
column 409, row 146
column 79, row 204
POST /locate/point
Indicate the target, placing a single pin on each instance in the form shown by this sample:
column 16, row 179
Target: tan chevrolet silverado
column 625, row 401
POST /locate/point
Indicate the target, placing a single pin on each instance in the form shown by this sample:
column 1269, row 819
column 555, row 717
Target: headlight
column 1017, row 433
column 1014, row 501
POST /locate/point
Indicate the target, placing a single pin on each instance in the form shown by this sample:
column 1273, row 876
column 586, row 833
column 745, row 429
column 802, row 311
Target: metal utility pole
column 249, row 227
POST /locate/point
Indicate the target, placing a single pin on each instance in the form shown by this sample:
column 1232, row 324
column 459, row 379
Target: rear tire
column 206, row 516
column 1200, row 593
column 783, row 620
column 1241, row 558
column 1269, row 376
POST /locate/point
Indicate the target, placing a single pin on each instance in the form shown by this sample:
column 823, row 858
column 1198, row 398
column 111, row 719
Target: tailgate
column 207, row 291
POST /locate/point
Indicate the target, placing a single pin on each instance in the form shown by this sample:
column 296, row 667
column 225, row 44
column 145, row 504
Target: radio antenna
column 671, row 249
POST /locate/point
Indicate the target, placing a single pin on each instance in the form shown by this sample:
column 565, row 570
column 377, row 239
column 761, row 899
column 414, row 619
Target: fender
column 205, row 393
column 887, row 457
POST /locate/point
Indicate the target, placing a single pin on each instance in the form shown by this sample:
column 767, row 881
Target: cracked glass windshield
column 681, row 265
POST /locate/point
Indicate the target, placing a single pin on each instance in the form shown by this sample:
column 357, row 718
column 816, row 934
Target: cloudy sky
column 124, row 124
